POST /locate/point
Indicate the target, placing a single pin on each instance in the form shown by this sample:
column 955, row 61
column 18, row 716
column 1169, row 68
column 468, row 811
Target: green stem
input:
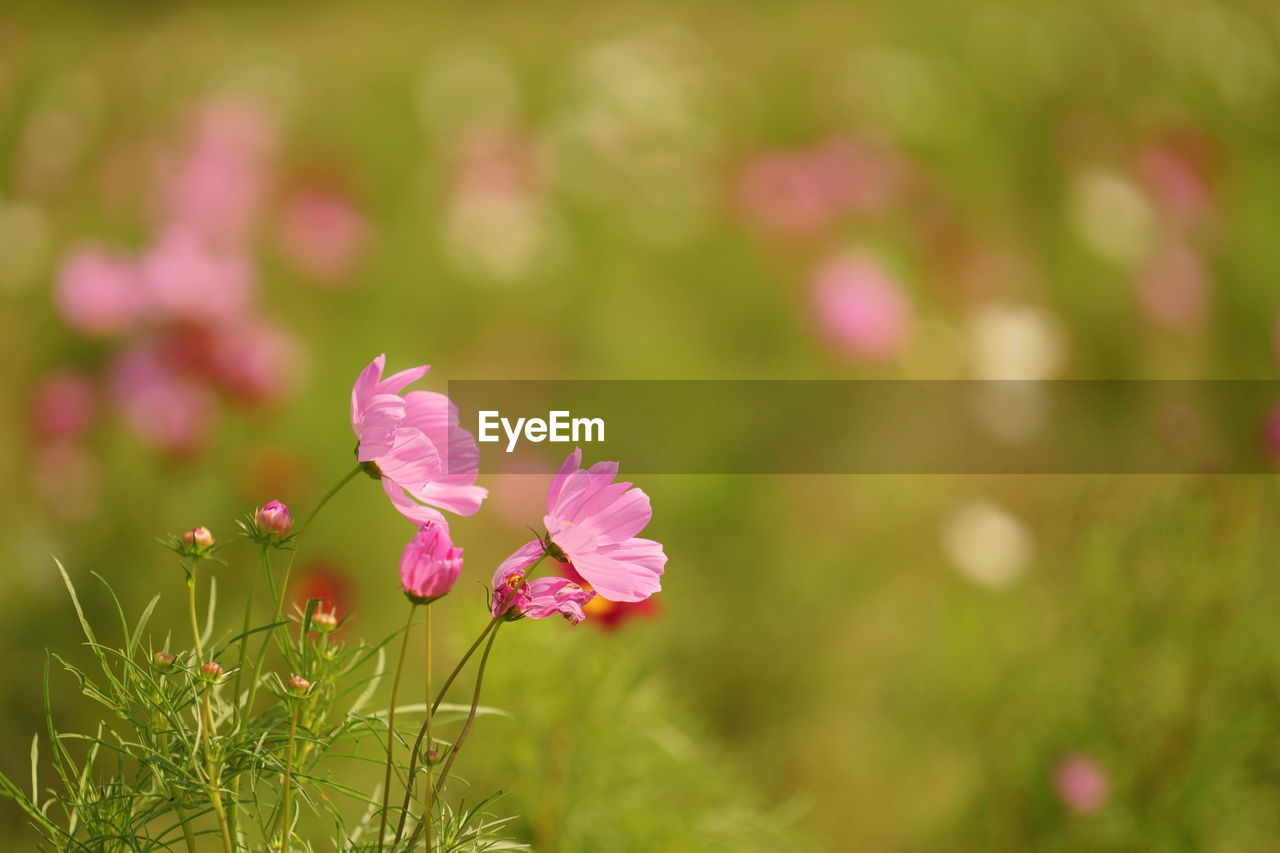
column 242, row 712
column 462, row 736
column 191, row 609
column 391, row 728
column 211, row 767
column 287, row 797
column 428, row 795
column 426, row 725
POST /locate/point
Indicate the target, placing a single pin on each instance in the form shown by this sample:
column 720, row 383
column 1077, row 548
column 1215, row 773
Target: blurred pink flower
column 1175, row 172
column 1173, row 287
column 859, row 307
column 164, row 410
column 782, row 193
column 188, row 280
column 255, row 361
column 217, row 184
column 421, row 454
column 430, row 563
column 1271, row 434
column 803, row 191
column 1082, row 785
column 538, row 598
column 98, row 290
column 63, row 405
column 593, row 521
column 322, row 235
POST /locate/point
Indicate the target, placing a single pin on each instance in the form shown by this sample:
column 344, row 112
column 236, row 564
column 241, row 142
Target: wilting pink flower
column 1173, row 287
column 539, row 598
column 860, row 308
column 217, row 183
column 273, row 517
column 63, row 405
column 593, row 522
column 430, row 563
column 1081, row 784
column 421, row 454
column 187, row 279
column 164, row 410
column 98, row 290
column 322, row 235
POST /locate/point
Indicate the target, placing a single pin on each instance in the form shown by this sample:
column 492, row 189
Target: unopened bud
column 163, row 660
column 274, row 519
column 298, row 686
column 198, row 537
column 211, row 672
column 324, row 621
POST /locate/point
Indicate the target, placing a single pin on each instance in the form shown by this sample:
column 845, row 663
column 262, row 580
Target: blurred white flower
column 1014, row 342
column 987, row 544
column 1112, row 216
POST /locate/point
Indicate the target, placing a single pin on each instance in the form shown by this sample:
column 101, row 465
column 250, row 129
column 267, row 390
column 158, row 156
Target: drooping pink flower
column 1082, row 785
column 860, row 308
column 593, row 522
column 426, row 462
column 514, row 596
column 430, row 563
column 63, row 405
column 322, row 235
column 187, row 279
column 98, row 290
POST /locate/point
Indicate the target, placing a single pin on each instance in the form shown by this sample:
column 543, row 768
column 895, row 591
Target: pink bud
column 211, row 672
column 324, row 621
column 274, row 518
column 198, row 537
column 163, row 660
column 298, row 685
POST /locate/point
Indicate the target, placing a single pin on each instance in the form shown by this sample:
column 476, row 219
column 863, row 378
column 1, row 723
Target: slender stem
column 462, row 736
column 428, row 794
column 391, row 727
column 187, row 835
column 422, row 732
column 279, row 593
column 191, row 609
column 266, row 640
column 211, row 767
column 287, row 797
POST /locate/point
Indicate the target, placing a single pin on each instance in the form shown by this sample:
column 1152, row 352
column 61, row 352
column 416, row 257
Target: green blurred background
column 701, row 190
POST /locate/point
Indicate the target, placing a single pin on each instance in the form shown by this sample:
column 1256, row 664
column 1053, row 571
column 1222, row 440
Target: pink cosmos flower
column 98, row 290
column 592, row 522
column 164, row 409
column 513, row 596
column 1081, row 784
column 860, row 307
column 430, row 563
column 426, row 462
column 254, row 360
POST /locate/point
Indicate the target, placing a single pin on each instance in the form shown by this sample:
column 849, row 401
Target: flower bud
column 298, row 686
column 273, row 519
column 163, row 660
column 198, row 537
column 211, row 672
column 324, row 621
